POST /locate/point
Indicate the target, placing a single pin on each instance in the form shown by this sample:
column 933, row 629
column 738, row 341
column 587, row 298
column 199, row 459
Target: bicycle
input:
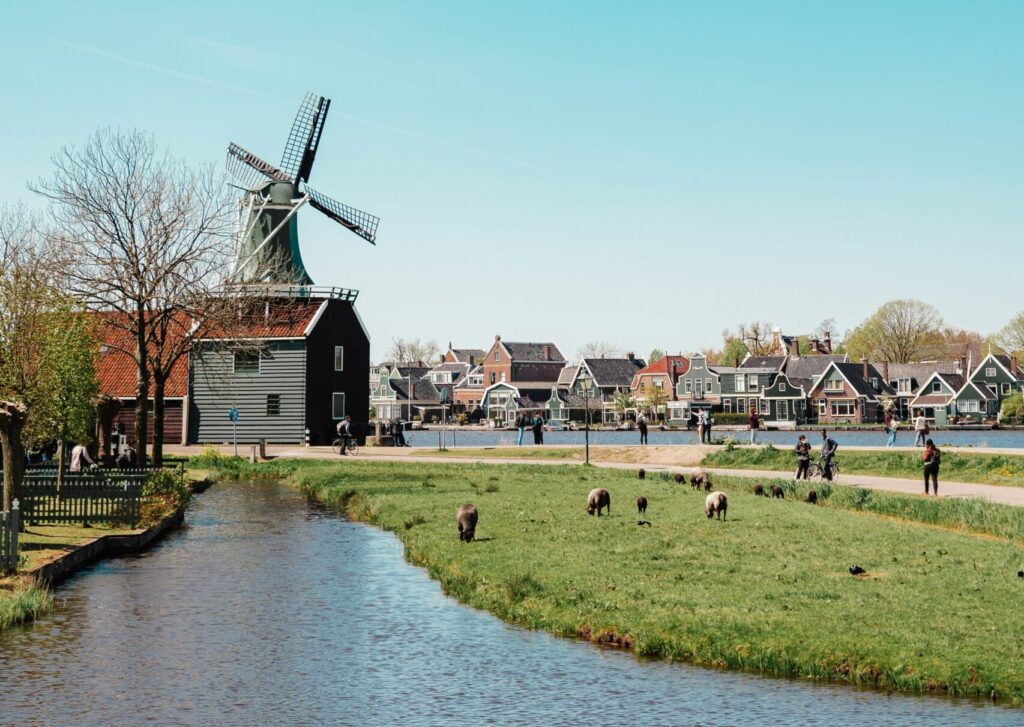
column 816, row 471
column 338, row 443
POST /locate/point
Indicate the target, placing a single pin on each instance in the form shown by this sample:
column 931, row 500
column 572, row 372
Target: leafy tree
column 656, row 354
column 734, row 350
column 623, row 399
column 1013, row 406
column 1011, row 336
column 655, row 397
column 900, row 331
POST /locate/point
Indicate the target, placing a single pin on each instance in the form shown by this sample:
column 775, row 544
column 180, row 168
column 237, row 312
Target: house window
column 766, row 406
column 493, row 377
column 990, row 372
column 834, row 385
column 874, row 382
column 782, row 387
column 688, row 385
column 752, row 382
column 502, row 375
column 338, row 405
column 339, row 358
column 707, row 385
column 658, row 382
column 904, row 386
column 783, row 409
column 728, row 406
column 1006, row 388
column 273, row 405
column 497, row 356
column 740, row 383
column 741, row 406
column 247, row 362
column 966, row 406
column 822, row 407
column 843, row 408
column 936, row 387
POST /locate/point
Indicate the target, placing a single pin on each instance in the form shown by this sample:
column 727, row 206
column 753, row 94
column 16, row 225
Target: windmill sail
column 361, row 223
column 304, row 138
column 249, row 169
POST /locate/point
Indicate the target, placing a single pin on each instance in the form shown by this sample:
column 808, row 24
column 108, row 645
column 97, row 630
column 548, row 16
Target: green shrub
column 168, row 485
column 730, row 418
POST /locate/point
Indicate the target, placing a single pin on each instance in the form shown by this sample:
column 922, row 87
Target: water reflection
column 268, row 610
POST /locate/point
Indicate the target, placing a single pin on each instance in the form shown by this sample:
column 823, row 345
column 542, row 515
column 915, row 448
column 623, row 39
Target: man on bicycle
column 345, row 432
column 828, row 451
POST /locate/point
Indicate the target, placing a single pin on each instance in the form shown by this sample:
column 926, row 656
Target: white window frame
column 707, row 387
column 1006, row 388
column 741, row 405
column 339, row 358
column 834, row 385
column 752, row 382
column 688, row 386
column 782, row 409
column 741, row 383
column 990, row 372
column 936, row 387
column 822, row 407
column 765, row 406
column 334, row 405
column 782, row 387
column 848, row 404
column 728, row 406
column 497, row 355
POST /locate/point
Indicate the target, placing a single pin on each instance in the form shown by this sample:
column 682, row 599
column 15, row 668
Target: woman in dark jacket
column 932, row 458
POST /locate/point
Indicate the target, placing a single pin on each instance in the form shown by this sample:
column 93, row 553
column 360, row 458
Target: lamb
column 759, row 489
column 641, row 504
column 466, row 517
column 598, row 499
column 716, row 504
column 777, row 492
column 641, row 474
column 812, row 497
column 700, row 478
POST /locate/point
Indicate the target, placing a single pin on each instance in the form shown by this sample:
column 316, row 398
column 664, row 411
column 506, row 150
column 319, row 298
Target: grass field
column 990, row 469
column 766, row 590
column 566, row 453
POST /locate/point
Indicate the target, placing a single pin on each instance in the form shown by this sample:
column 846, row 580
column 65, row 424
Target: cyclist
column 828, row 451
column 345, row 432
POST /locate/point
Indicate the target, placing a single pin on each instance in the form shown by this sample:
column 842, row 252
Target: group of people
column 536, row 424
column 704, row 423
column 803, row 456
column 921, row 428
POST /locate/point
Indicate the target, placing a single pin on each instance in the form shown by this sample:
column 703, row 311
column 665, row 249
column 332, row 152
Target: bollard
column 263, row 448
column 252, row 454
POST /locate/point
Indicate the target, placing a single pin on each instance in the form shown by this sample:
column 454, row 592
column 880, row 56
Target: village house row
column 785, row 388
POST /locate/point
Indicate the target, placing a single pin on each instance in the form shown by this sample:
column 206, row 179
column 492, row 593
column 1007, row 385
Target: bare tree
column 413, row 349
column 147, row 237
column 598, row 349
column 900, row 331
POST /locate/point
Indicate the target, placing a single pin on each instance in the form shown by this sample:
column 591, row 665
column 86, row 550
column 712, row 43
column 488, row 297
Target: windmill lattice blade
column 361, row 223
column 303, row 139
column 249, row 169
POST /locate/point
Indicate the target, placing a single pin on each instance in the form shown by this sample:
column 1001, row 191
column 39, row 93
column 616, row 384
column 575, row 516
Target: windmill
column 267, row 248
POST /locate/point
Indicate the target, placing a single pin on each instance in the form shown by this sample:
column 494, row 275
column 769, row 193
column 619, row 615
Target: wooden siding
column 215, row 388
column 338, row 326
column 173, row 421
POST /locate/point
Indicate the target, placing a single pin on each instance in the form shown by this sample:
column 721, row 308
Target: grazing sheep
column 598, row 499
column 644, row 522
column 716, row 504
column 777, row 492
column 641, row 504
column 680, row 478
column 466, row 517
column 641, row 474
column 856, row 570
column 812, row 497
column 699, row 479
column 759, row 489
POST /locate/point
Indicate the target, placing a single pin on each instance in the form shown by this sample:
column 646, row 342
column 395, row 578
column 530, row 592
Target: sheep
column 680, row 478
column 777, row 492
column 466, row 517
column 716, row 504
column 598, row 499
column 759, row 489
column 812, row 497
column 698, row 478
column 641, row 474
column 641, row 504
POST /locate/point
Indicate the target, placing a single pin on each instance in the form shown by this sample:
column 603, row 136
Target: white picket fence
column 10, row 523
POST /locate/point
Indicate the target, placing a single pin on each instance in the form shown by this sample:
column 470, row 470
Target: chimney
column 1013, row 366
column 864, row 363
column 547, row 352
column 795, row 348
column 815, row 344
column 963, row 366
column 885, row 371
column 736, row 362
column 827, row 343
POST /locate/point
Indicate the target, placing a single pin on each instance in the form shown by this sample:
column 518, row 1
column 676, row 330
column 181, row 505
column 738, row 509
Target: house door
column 698, row 389
column 783, row 410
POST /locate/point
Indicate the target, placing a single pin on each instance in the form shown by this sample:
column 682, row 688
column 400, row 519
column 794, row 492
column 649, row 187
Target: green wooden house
column 784, row 403
column 935, row 398
column 975, row 401
column 1000, row 374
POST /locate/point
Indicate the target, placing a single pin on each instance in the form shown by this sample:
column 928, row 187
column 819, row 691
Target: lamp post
column 585, row 381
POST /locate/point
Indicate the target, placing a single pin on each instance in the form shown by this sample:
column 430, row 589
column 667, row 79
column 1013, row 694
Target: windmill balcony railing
column 293, row 291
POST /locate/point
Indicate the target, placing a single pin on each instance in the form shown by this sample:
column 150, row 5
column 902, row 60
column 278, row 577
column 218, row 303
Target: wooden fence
column 103, row 496
column 10, row 523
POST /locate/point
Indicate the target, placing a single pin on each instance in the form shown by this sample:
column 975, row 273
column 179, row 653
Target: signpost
column 233, row 416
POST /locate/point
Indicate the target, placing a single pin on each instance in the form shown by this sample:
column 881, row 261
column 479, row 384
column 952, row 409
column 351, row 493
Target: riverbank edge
column 357, row 507
column 32, row 597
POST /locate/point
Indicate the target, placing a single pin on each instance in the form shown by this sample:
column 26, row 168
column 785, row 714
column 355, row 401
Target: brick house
column 512, row 362
column 849, row 393
column 662, row 374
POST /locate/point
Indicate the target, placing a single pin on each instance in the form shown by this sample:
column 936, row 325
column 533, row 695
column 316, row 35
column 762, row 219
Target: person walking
column 700, row 427
column 888, row 428
column 920, row 429
column 753, row 423
column 803, row 457
column 828, row 451
column 521, row 426
column 707, row 425
column 80, row 458
column 641, row 423
column 538, row 429
column 932, row 458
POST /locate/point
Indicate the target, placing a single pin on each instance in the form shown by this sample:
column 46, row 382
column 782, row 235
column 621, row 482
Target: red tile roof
column 661, row 366
column 116, row 368
column 271, row 318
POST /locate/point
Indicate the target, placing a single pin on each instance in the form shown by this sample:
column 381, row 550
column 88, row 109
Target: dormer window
column 782, row 387
column 936, row 387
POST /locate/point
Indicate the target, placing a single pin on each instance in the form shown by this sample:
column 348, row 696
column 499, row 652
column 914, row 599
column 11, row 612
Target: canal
column 268, row 610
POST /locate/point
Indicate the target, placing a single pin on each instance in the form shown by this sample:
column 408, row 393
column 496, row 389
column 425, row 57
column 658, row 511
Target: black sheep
column 641, row 504
column 777, row 492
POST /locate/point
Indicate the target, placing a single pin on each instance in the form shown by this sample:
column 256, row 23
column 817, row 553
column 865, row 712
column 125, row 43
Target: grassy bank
column 22, row 601
column 530, row 452
column 990, row 469
column 767, row 590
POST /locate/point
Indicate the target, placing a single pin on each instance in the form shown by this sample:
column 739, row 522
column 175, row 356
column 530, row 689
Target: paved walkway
column 995, row 493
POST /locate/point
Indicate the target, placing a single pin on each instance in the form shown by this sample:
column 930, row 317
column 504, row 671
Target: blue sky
column 645, row 174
